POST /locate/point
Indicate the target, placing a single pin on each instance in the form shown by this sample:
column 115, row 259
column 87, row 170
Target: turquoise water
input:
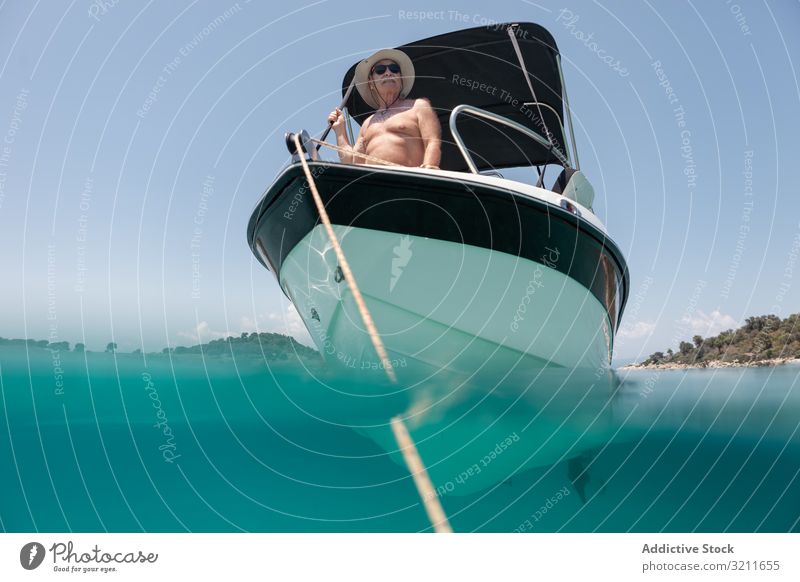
column 98, row 442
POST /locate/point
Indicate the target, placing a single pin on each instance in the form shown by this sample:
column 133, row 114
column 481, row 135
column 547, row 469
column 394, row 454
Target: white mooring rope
column 427, row 493
column 345, row 266
column 416, row 467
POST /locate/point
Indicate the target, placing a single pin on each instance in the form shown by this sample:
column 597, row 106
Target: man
column 402, row 131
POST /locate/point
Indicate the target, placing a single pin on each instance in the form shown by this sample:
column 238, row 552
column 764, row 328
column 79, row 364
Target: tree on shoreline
column 266, row 346
column 762, row 337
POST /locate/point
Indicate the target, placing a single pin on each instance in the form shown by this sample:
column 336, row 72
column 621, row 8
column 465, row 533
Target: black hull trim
column 441, row 208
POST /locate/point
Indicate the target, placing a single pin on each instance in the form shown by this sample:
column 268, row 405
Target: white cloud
column 287, row 322
column 636, row 330
column 709, row 324
column 203, row 333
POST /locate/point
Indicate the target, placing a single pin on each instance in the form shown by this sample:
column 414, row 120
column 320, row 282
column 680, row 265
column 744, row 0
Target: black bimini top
column 480, row 67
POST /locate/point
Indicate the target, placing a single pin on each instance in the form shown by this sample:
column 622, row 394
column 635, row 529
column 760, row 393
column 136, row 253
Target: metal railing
column 477, row 112
column 569, row 114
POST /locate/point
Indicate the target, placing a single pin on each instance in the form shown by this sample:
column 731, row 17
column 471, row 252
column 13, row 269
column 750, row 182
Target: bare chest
column 402, row 123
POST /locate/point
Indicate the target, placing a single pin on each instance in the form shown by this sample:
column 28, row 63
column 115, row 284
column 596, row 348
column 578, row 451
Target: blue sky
column 135, row 139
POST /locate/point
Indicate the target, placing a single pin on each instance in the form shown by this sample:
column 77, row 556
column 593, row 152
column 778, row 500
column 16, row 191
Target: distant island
column 764, row 340
column 269, row 346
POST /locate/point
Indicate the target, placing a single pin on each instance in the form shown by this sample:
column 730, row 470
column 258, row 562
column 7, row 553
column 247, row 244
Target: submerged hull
column 460, row 273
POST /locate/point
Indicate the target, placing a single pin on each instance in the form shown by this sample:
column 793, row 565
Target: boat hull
column 443, row 305
column 462, row 276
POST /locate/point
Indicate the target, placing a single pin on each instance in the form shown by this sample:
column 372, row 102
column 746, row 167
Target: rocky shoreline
column 713, row 364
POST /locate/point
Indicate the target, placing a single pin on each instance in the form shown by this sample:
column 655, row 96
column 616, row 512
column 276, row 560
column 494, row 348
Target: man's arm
column 431, row 132
column 347, row 157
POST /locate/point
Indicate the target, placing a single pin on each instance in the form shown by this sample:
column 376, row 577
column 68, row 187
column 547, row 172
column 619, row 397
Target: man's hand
column 336, row 119
column 431, row 132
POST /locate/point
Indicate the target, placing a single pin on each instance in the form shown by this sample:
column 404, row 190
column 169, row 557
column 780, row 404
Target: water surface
column 128, row 443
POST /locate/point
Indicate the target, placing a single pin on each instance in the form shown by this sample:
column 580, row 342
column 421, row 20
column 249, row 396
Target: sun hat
column 364, row 68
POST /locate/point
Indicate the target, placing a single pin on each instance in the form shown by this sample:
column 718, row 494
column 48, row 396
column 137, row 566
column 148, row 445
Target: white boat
column 462, row 269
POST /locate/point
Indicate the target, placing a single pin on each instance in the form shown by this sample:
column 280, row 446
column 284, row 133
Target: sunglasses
column 381, row 69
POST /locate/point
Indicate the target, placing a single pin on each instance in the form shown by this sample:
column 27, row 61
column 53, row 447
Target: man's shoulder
column 422, row 106
column 421, row 102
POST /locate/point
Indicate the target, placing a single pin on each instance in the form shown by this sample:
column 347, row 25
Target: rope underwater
column 427, row 493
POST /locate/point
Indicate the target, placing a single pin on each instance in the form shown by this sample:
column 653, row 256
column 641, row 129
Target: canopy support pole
column 517, row 50
column 342, row 104
column 569, row 113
